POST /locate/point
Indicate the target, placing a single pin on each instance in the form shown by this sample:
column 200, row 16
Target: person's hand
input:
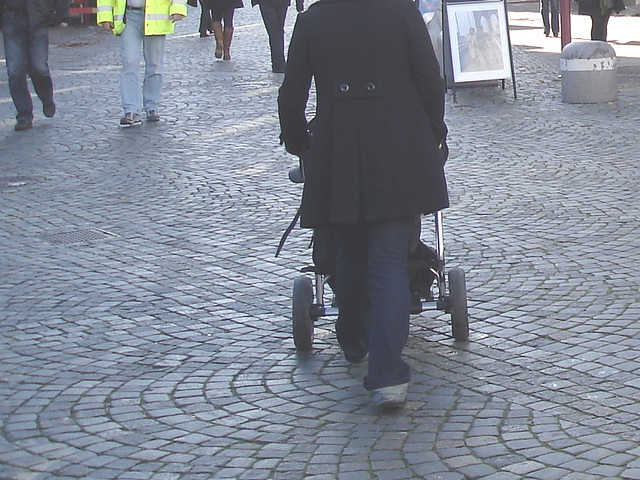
column 176, row 17
column 108, row 26
column 444, row 151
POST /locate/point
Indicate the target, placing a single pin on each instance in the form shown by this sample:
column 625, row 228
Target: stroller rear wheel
column 302, row 319
column 458, row 304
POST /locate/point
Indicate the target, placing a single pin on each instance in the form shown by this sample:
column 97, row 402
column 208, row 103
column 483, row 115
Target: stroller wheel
column 302, row 319
column 458, row 304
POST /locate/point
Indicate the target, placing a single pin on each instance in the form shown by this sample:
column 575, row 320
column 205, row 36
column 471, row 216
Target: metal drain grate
column 78, row 236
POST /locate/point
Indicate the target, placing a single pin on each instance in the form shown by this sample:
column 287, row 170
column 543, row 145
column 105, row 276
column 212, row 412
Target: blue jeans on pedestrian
column 273, row 15
column 372, row 292
column 27, row 53
column 134, row 45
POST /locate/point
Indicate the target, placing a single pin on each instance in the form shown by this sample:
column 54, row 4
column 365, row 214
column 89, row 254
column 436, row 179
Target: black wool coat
column 373, row 151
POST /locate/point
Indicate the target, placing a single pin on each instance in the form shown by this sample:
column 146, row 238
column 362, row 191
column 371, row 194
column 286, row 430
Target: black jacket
column 379, row 113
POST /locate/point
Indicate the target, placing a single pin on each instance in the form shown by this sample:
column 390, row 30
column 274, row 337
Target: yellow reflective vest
column 157, row 14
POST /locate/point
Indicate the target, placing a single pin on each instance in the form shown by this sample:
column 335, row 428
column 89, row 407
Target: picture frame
column 479, row 39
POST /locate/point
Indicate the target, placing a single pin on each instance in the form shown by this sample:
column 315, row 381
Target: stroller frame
column 452, row 300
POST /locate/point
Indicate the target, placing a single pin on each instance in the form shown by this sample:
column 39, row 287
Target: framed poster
column 480, row 47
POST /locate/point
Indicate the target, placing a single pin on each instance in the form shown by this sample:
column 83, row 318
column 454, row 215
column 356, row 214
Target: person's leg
column 153, row 46
column 205, row 18
column 554, row 7
column 352, row 292
column 544, row 9
column 389, row 320
column 605, row 23
column 599, row 27
column 227, row 33
column 216, row 26
column 274, row 18
column 16, row 51
column 131, row 49
column 39, row 68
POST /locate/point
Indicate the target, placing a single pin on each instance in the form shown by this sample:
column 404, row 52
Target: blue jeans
column 134, row 44
column 372, row 292
column 273, row 16
column 27, row 53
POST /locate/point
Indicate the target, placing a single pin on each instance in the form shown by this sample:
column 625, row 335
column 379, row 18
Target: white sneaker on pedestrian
column 393, row 396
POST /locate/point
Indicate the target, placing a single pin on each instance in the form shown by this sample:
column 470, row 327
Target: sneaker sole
column 134, row 124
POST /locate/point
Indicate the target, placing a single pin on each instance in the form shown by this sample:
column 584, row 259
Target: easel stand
column 476, row 43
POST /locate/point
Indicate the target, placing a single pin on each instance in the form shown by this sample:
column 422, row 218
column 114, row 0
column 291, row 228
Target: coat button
column 344, row 87
column 371, row 87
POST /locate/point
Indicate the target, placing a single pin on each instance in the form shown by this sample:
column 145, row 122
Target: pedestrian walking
column 25, row 33
column 600, row 11
column 274, row 14
column 205, row 18
column 142, row 26
column 373, row 161
column 62, row 13
column 222, row 12
column 550, row 10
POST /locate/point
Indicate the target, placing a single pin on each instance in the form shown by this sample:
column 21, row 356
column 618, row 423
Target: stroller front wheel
column 302, row 319
column 458, row 304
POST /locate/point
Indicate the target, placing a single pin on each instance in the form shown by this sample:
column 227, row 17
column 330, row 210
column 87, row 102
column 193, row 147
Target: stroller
column 431, row 287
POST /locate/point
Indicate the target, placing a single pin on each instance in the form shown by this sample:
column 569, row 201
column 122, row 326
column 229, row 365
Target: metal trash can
column 589, row 72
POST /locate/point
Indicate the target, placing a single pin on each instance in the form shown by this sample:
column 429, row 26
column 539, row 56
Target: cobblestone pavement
column 144, row 320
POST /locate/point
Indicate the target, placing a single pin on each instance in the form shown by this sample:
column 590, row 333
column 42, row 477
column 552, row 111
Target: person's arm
column 294, row 92
column 426, row 71
column 177, row 10
column 105, row 14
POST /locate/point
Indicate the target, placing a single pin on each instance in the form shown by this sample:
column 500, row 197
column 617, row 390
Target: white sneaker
column 392, row 396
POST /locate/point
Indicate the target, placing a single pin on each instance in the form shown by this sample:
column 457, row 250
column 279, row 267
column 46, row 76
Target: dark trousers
column 372, row 292
column 551, row 16
column 274, row 17
column 599, row 26
column 205, row 17
column 26, row 51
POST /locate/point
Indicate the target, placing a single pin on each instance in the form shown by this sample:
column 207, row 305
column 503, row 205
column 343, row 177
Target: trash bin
column 589, row 72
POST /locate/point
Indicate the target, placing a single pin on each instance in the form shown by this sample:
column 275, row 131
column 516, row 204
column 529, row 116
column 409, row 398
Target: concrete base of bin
column 589, row 72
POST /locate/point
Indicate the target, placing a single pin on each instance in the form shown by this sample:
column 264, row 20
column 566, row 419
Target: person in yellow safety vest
column 141, row 23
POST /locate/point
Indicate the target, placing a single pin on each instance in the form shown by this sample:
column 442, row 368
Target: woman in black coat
column 222, row 12
column 373, row 161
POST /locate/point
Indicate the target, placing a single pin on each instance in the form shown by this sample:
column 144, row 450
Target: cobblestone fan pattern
column 144, row 320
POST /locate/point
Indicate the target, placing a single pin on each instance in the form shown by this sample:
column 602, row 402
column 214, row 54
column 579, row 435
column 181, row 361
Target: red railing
column 86, row 9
